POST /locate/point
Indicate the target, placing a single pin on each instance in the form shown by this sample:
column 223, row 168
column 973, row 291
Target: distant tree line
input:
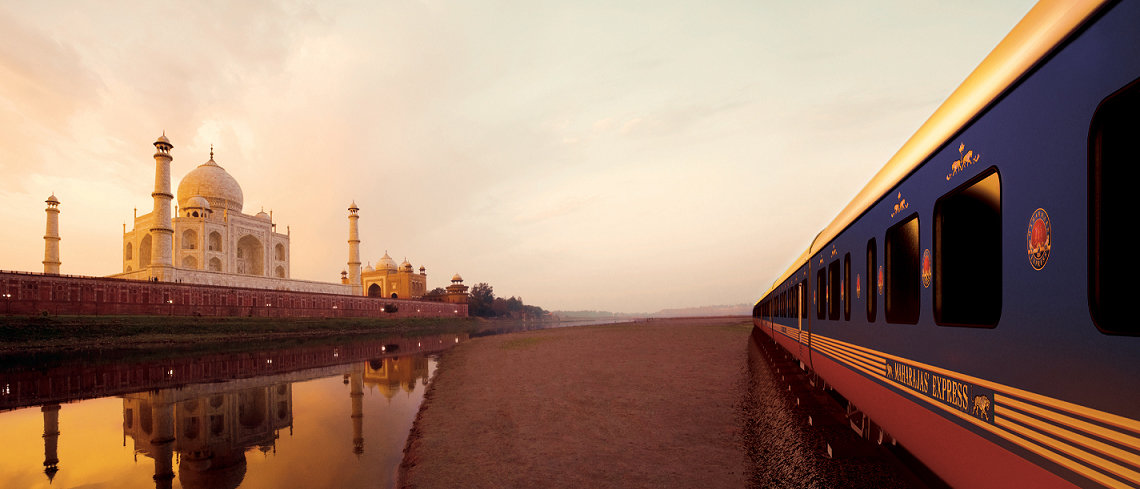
column 482, row 303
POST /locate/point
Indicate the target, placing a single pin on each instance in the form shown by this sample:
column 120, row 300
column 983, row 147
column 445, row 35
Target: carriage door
column 803, row 323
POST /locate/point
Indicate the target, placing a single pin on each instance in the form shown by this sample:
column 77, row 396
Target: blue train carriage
column 975, row 300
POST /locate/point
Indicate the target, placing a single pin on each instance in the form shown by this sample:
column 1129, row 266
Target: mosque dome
column 262, row 215
column 212, row 182
column 369, row 268
column 456, row 278
column 405, row 265
column 386, row 263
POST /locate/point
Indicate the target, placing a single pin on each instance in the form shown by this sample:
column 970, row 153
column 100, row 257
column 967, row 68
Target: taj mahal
column 209, row 239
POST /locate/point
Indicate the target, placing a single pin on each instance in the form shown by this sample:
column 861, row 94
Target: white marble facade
column 210, row 233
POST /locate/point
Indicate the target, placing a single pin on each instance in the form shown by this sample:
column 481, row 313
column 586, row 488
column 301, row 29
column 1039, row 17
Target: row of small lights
column 269, row 361
column 267, row 304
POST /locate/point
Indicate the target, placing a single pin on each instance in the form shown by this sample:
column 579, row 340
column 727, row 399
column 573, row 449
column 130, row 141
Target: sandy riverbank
column 649, row 404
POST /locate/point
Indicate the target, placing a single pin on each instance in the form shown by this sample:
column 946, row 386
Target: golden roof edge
column 1047, row 24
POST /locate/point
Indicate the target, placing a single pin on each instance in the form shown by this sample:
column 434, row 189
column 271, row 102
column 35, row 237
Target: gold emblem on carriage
column 900, row 206
column 965, row 159
column 981, row 407
column 927, row 268
column 1039, row 239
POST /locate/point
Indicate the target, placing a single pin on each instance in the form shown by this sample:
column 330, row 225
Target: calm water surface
column 311, row 416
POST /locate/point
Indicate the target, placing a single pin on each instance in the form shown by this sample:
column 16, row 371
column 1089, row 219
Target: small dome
column 406, row 265
column 456, row 278
column 386, row 263
column 212, row 182
column 197, row 202
column 162, row 140
column 423, row 268
column 52, row 199
column 262, row 215
column 369, row 268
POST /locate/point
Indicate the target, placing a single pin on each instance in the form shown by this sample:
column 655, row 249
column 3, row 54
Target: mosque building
column 388, row 280
column 209, row 239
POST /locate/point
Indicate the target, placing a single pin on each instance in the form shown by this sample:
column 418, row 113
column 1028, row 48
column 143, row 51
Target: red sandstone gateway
column 1006, row 363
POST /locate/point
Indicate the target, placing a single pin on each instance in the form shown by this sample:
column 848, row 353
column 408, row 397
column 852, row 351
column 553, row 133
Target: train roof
column 1045, row 26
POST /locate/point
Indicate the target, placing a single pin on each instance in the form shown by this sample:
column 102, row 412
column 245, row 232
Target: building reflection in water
column 206, row 429
column 209, row 427
column 51, row 440
column 387, row 375
column 197, row 433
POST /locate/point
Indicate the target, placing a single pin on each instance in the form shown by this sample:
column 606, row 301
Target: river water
column 318, row 414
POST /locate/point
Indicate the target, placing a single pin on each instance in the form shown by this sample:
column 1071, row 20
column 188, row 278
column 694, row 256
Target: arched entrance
column 250, row 256
column 144, row 251
column 374, row 291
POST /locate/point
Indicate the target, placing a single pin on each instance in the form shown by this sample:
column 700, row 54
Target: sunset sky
column 610, row 155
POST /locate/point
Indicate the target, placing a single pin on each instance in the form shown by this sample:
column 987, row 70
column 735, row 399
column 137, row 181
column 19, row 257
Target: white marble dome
column 215, row 184
column 196, row 202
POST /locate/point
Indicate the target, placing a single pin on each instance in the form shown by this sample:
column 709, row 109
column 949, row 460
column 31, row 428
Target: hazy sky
column 612, row 155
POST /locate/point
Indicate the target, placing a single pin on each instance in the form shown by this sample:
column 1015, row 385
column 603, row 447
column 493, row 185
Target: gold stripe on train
column 1056, row 404
column 870, row 368
column 1065, row 448
column 1067, row 454
column 1115, row 436
column 1009, row 416
column 835, row 352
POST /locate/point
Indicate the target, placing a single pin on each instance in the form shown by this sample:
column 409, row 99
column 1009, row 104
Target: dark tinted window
column 820, row 293
column 902, row 258
column 872, row 281
column 967, row 253
column 845, row 292
column 1114, row 166
column 833, row 290
column 804, row 303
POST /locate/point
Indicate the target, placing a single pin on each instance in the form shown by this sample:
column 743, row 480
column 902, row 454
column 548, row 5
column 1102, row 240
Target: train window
column 967, row 253
column 902, row 285
column 1114, row 150
column 833, row 290
column 820, row 293
column 804, row 303
column 872, row 280
column 845, row 291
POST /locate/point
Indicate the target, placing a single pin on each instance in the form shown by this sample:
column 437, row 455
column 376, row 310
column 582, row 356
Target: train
column 974, row 302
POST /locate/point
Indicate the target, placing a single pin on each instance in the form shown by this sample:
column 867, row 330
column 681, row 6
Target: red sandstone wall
column 68, row 383
column 24, row 293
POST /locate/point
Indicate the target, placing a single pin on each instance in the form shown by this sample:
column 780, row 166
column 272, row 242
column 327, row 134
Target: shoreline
column 23, row 335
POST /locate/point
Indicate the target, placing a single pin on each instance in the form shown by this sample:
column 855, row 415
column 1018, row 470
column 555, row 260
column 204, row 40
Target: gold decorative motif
column 900, row 206
column 981, row 407
column 965, row 159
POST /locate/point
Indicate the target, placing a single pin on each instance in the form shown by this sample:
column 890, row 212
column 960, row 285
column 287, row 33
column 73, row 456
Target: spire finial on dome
column 211, row 152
